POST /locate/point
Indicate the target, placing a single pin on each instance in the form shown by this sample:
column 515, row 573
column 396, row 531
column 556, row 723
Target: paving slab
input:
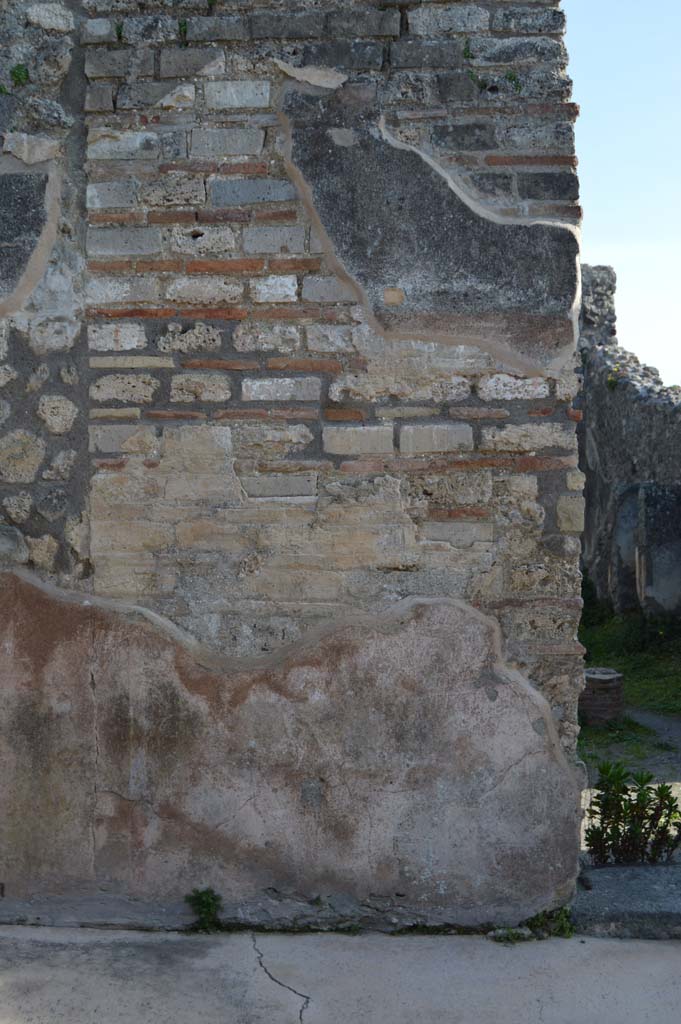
column 82, row 976
column 630, row 903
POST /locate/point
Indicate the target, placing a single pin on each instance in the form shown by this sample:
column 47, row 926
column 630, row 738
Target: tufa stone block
column 436, row 437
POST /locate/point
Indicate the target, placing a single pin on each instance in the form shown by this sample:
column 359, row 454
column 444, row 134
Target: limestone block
column 61, row 466
column 270, row 440
column 500, row 387
column 280, row 485
column 527, row 437
column 329, row 338
column 327, row 289
column 236, row 94
column 123, row 241
column 98, row 30
column 197, row 61
column 275, row 289
column 223, row 29
column 576, row 480
column 266, row 337
column 274, row 240
column 30, row 149
column 18, row 506
column 53, row 17
column 119, row 63
column 202, row 241
column 367, row 743
column 13, row 547
column 435, row 437
column 43, row 551
column 121, row 336
column 281, row 389
column 47, row 335
column 450, row 18
column 459, row 534
column 199, row 290
column 102, row 290
column 570, row 514
column 199, row 338
column 228, row 192
column 57, row 413
column 124, row 387
column 7, row 375
column 112, row 144
column 175, row 189
column 21, row 454
column 124, row 438
column 358, row 440
column 220, row 142
column 109, row 195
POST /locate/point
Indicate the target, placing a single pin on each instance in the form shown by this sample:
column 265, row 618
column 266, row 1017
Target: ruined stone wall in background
column 630, row 453
column 293, row 344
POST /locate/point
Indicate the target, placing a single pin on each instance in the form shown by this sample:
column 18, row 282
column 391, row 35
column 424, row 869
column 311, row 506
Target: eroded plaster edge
column 40, row 256
column 385, row 620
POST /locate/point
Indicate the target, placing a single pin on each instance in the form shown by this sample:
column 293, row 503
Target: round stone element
column 602, row 700
column 21, row 454
column 57, row 413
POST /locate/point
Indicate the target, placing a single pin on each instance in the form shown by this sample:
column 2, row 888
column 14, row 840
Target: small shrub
column 552, row 924
column 206, row 904
column 19, row 75
column 510, row 936
column 632, row 821
column 513, row 78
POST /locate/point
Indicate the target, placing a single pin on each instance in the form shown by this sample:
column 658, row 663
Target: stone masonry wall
column 290, row 299
column 630, row 443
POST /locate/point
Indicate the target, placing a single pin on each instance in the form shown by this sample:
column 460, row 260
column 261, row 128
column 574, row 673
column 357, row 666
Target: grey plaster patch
column 22, row 219
column 403, row 226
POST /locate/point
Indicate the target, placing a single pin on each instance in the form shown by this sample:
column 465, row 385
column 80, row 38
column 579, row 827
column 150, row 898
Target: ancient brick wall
column 630, row 442
column 292, row 342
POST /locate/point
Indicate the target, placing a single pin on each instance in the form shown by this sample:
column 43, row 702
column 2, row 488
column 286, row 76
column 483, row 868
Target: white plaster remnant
column 344, row 136
column 323, row 78
column 47, row 335
column 30, row 149
column 180, row 98
column 52, row 17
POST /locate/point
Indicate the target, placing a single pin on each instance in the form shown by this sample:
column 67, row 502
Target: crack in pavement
column 301, row 995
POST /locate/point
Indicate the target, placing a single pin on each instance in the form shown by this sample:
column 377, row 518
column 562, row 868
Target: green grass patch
column 647, row 653
column 624, row 741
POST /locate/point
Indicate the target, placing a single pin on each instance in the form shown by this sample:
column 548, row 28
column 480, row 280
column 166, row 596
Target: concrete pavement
column 86, row 976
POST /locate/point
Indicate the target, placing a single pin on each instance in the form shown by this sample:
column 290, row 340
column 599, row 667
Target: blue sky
column 625, row 63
